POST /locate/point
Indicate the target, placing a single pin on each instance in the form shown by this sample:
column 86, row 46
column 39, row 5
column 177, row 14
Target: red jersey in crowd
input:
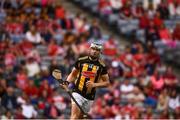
column 15, row 28
column 157, row 22
column 165, row 34
column 59, row 12
column 110, row 48
column 176, row 33
column 144, row 21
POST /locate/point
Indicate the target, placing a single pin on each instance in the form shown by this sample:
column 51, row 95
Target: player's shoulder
column 102, row 62
column 82, row 58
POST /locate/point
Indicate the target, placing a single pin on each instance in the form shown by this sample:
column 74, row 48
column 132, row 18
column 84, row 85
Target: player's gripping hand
column 64, row 86
column 90, row 84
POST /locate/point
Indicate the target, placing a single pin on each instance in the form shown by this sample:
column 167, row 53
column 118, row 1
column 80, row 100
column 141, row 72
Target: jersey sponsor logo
column 88, row 74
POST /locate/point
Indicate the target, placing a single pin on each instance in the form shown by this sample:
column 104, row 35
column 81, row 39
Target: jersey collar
column 92, row 59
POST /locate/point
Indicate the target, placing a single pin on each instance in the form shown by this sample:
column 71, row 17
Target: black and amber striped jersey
column 88, row 70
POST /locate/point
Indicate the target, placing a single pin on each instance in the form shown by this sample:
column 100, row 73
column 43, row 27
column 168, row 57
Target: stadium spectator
column 55, row 31
column 59, row 12
column 59, row 101
column 32, row 67
column 94, row 30
column 18, row 113
column 157, row 81
column 151, row 10
column 79, row 22
column 174, row 102
column 148, row 113
column 8, row 115
column 8, row 100
column 45, row 87
column 10, row 58
column 164, row 34
column 67, row 22
column 104, row 7
column 22, row 99
column 126, row 88
column 163, row 10
column 54, row 49
column 51, row 110
column 164, row 115
column 163, row 100
column 25, row 47
column 3, row 87
column 157, row 20
column 170, row 79
column 156, row 3
column 21, row 79
column 28, row 110
column 138, row 11
column 176, row 34
column 174, row 8
column 3, row 34
column 144, row 20
column 33, row 36
column 153, row 56
column 116, row 5
column 125, row 11
column 110, row 47
column 151, row 32
column 136, row 97
column 32, row 91
column 81, row 46
column 35, row 55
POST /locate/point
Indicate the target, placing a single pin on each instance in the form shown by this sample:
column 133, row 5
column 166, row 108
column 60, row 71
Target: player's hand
column 90, row 84
column 64, row 86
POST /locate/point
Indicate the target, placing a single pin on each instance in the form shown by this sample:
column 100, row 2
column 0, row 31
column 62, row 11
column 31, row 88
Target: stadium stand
column 39, row 36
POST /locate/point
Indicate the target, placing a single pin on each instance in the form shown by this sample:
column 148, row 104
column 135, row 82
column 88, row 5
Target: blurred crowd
column 151, row 16
column 37, row 36
column 154, row 22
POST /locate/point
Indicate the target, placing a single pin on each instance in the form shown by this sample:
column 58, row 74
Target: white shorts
column 84, row 103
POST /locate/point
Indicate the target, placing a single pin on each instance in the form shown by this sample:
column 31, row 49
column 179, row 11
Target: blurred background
column 141, row 41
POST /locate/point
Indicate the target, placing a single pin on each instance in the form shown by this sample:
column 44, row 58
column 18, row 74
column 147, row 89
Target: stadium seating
column 140, row 81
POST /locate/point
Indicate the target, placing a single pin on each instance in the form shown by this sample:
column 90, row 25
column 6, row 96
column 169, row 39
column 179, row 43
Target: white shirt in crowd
column 116, row 4
column 178, row 10
column 154, row 2
column 126, row 88
column 4, row 117
column 174, row 10
column 28, row 111
column 136, row 97
column 32, row 69
column 174, row 103
column 20, row 100
column 36, row 38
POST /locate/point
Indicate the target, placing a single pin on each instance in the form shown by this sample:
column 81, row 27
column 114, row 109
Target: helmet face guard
column 96, row 46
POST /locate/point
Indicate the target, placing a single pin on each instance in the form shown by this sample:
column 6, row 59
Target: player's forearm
column 101, row 84
column 70, row 78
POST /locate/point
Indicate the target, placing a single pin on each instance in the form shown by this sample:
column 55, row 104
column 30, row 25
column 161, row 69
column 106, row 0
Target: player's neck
column 93, row 59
